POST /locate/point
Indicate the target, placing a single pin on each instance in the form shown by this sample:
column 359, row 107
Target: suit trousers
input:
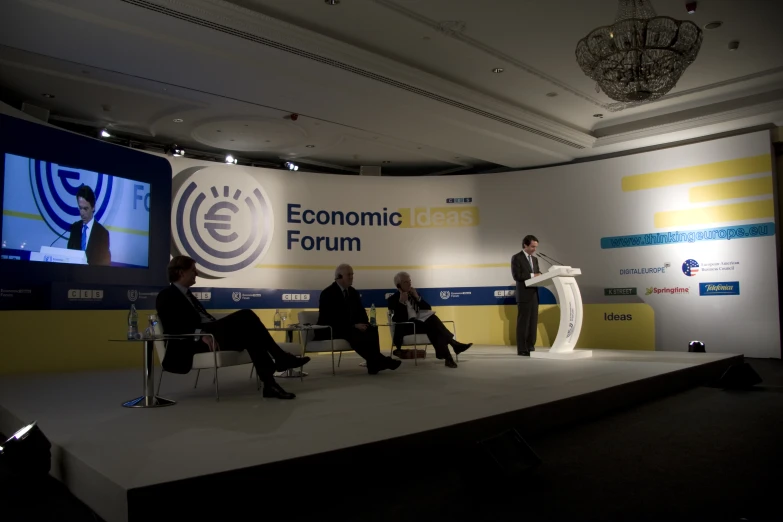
column 243, row 330
column 438, row 334
column 527, row 324
column 365, row 343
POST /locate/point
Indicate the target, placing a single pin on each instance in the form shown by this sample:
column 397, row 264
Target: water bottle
column 149, row 333
column 133, row 322
column 277, row 319
column 372, row 314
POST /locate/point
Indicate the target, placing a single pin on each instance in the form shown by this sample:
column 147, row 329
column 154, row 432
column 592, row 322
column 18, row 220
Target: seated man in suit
column 180, row 312
column 87, row 234
column 340, row 307
column 408, row 305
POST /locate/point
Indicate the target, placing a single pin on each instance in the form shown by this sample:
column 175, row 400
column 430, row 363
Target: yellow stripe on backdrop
column 716, row 214
column 56, row 340
column 696, row 173
column 390, row 267
column 732, row 190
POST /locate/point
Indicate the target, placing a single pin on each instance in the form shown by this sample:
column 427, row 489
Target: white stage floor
column 101, row 450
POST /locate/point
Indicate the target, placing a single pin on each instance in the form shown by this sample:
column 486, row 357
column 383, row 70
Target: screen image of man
column 524, row 266
column 87, row 234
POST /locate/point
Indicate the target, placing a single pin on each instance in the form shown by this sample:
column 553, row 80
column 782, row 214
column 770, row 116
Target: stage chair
column 212, row 360
column 330, row 345
column 415, row 339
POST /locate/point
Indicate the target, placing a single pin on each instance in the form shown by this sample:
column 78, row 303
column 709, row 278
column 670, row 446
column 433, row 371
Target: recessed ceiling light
column 47, row 95
column 551, row 94
column 599, row 115
column 178, row 120
column 105, row 134
column 713, row 25
column 498, row 70
column 331, row 2
column 310, row 146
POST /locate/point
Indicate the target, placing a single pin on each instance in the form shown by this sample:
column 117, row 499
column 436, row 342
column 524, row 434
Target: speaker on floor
column 739, row 377
column 506, row 455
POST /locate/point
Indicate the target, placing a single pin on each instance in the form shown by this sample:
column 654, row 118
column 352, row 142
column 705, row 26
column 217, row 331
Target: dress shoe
column 532, row 348
column 398, row 353
column 393, row 364
column 460, row 347
column 291, row 362
column 275, row 391
column 450, row 363
column 526, row 354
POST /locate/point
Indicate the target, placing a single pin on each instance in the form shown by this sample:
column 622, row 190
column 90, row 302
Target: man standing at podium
column 87, row 234
column 524, row 266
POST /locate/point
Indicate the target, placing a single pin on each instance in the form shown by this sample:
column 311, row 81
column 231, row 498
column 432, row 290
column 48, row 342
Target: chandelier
column 641, row 56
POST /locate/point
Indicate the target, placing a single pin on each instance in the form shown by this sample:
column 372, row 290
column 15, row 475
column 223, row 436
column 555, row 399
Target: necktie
column 530, row 262
column 198, row 306
column 84, row 236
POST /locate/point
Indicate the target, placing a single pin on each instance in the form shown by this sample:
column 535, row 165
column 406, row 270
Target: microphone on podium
column 60, row 236
column 548, row 258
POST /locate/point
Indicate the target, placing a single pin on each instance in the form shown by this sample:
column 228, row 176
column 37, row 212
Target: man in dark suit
column 87, row 234
column 407, row 305
column 524, row 266
column 180, row 313
column 340, row 307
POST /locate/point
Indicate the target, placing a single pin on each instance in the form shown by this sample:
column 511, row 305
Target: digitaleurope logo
column 54, row 189
column 222, row 220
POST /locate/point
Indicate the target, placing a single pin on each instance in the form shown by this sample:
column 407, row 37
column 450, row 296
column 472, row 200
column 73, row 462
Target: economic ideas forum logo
column 223, row 220
column 54, row 189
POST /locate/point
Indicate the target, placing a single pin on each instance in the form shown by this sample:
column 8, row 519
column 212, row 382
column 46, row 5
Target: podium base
column 572, row 354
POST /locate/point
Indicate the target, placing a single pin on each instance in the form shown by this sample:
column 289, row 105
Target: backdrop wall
column 674, row 245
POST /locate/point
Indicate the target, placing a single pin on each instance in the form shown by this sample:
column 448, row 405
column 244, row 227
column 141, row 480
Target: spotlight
column 105, row 134
column 27, row 452
column 697, row 347
column 176, row 151
column 231, row 160
column 690, row 7
column 291, row 166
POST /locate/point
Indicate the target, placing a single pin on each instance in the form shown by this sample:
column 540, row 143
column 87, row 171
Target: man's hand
column 403, row 297
column 209, row 341
column 360, row 327
column 537, row 274
column 414, row 293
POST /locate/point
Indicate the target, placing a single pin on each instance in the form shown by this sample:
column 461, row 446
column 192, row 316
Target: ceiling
column 403, row 84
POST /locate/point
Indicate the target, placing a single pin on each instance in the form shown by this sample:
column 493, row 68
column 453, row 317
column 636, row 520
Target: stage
column 124, row 462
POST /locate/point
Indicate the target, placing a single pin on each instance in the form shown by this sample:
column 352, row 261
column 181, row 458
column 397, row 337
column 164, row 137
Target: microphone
column 542, row 258
column 59, row 237
column 550, row 258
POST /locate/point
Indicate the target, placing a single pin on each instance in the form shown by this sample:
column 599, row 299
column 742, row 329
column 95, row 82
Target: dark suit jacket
column 401, row 315
column 340, row 313
column 520, row 269
column 178, row 316
column 98, row 252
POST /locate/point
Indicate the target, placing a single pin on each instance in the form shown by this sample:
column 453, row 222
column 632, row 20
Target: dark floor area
column 705, row 454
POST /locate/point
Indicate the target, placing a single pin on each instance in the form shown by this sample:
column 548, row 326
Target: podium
column 570, row 300
column 59, row 255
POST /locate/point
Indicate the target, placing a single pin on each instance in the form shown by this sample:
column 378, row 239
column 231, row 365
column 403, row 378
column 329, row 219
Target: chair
column 208, row 360
column 329, row 345
column 414, row 339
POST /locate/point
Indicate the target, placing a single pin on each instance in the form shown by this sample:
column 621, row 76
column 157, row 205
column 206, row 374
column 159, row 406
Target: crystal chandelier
column 641, row 56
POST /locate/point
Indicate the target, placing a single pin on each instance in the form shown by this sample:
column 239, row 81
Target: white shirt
column 422, row 316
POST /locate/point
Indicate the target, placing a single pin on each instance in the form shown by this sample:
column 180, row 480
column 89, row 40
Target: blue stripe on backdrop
column 78, row 296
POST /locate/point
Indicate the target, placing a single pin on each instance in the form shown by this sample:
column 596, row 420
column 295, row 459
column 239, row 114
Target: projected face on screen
column 65, row 214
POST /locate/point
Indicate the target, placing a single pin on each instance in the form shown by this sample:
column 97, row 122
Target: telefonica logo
column 679, row 290
column 724, row 288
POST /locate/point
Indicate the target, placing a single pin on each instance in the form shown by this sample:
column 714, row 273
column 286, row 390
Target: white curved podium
column 570, row 300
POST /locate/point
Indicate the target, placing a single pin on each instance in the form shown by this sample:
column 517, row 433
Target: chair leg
column 160, row 380
column 339, row 359
column 217, row 390
column 415, row 354
column 252, row 369
column 333, row 372
column 198, row 372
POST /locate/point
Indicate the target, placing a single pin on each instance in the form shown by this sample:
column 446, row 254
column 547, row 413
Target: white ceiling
column 407, row 82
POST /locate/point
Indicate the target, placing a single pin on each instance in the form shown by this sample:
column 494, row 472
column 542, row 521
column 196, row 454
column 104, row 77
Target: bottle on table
column 277, row 320
column 133, row 322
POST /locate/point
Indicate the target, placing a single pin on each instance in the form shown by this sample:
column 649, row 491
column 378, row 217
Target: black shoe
column 526, row 354
column 532, row 349
column 460, row 347
column 450, row 363
column 398, row 353
column 275, row 391
column 291, row 362
column 393, row 364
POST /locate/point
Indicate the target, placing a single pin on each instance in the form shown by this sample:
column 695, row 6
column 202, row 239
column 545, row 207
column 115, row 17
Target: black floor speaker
column 739, row 377
column 505, row 455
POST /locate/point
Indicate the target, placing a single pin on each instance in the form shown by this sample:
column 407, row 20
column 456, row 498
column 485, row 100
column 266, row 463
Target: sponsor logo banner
column 619, row 291
column 676, row 290
column 656, row 270
column 690, row 236
column 723, row 288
